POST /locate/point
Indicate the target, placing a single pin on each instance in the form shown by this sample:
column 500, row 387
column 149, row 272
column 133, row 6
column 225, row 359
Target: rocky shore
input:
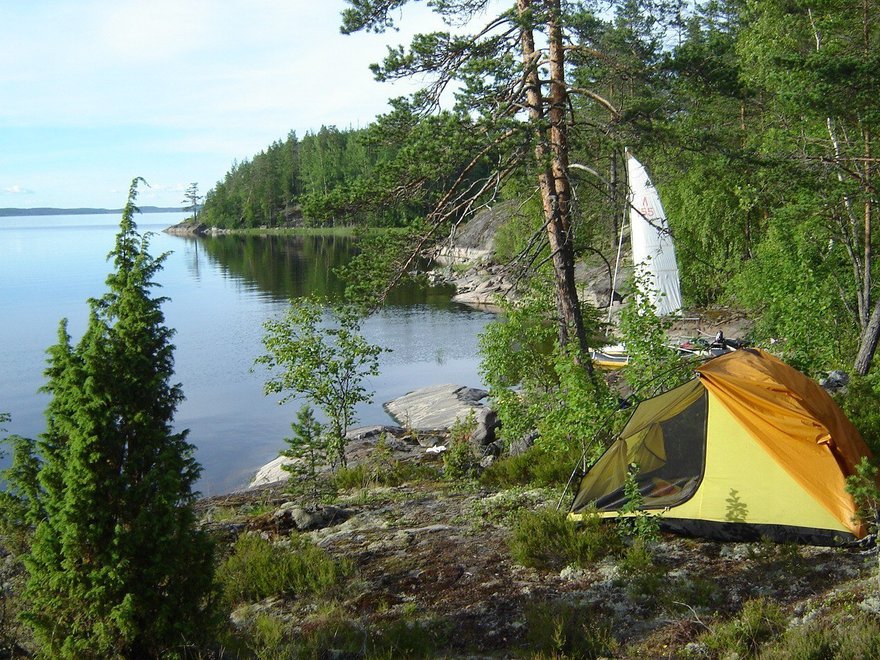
column 425, row 417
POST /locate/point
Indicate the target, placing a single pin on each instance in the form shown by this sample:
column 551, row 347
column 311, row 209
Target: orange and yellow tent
column 751, row 448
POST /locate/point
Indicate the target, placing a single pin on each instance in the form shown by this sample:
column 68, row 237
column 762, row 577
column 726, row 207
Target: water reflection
column 288, row 267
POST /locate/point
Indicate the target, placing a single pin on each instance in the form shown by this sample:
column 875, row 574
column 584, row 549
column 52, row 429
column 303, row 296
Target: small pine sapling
column 309, row 453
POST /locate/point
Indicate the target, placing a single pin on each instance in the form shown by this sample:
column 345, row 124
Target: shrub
column 459, row 461
column 258, row 568
column 382, row 469
column 653, row 365
column 634, row 521
column 860, row 405
column 644, row 579
column 505, row 506
column 805, row 643
column 759, row 622
column 536, row 467
column 863, row 487
column 852, row 638
column 562, row 630
column 534, row 384
column 325, row 363
column 269, row 638
column 547, row 539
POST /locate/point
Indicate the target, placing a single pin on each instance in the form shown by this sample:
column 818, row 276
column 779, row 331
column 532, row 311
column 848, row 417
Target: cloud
column 16, row 189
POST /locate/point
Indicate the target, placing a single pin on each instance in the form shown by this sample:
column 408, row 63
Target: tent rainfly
column 751, row 448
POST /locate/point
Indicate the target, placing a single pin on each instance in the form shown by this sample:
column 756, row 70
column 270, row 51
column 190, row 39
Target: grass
column 564, row 630
column 759, row 622
column 337, row 634
column 371, row 475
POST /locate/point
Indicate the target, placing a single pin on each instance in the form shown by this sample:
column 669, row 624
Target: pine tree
column 117, row 567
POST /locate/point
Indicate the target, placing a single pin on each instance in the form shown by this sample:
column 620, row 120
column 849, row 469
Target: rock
column 871, row 605
column 308, row 519
column 484, row 433
column 573, row 574
column 521, row 446
column 494, row 449
column 373, row 432
column 487, row 461
column 835, row 381
column 474, row 240
column 435, row 407
column 471, row 395
column 430, row 439
column 272, row 472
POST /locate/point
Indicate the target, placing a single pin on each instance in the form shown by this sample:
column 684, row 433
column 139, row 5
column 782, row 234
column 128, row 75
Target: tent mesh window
column 670, row 456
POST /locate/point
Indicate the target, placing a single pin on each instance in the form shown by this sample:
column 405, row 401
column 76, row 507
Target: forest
column 757, row 121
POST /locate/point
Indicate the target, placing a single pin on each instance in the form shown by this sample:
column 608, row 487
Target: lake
column 221, row 290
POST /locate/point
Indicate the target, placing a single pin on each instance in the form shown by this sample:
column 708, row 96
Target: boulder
column 835, row 381
column 520, row 446
column 304, row 519
column 484, row 434
column 272, row 472
column 436, row 406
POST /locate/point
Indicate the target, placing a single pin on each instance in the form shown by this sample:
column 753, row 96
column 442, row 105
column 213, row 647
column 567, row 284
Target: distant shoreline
column 12, row 212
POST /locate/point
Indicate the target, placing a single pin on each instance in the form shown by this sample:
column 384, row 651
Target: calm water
column 221, row 291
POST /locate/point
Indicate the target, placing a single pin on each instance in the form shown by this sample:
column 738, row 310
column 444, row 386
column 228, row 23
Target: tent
column 750, row 448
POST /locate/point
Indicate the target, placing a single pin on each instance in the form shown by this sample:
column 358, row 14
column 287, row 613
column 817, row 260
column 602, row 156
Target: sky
column 96, row 92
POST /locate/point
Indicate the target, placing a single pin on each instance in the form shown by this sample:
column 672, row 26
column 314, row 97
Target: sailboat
column 653, row 254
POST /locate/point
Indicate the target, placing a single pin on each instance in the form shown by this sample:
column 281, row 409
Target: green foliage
column 116, row 565
column 645, row 580
column 309, row 452
column 537, row 466
column 504, row 507
column 383, row 640
column 382, row 469
column 258, row 568
column 854, row 637
column 860, row 405
column 326, row 363
column 549, row 540
column 270, row 638
column 20, row 500
column 715, row 211
column 866, row 494
column 633, row 521
column 792, row 289
column 565, row 630
column 760, row 621
column 459, row 461
column 653, row 365
column 537, row 386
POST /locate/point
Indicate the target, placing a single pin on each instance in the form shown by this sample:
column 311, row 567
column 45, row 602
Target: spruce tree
column 117, row 567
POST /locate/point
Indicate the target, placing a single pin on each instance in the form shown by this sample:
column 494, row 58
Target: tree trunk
column 868, row 345
column 553, row 180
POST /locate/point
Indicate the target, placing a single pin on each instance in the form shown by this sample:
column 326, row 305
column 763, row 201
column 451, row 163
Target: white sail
column 652, row 250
